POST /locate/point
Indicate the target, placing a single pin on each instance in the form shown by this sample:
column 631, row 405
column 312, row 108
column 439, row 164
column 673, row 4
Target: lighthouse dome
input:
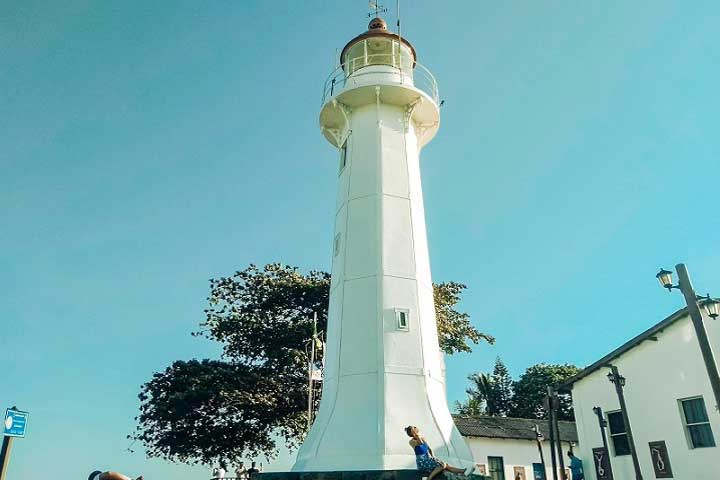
column 377, row 23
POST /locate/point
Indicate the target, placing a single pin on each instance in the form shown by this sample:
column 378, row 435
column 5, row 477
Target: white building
column 506, row 448
column 669, row 399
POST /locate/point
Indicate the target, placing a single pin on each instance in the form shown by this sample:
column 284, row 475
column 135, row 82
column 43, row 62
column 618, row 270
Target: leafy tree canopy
column 531, row 390
column 498, row 395
column 221, row 410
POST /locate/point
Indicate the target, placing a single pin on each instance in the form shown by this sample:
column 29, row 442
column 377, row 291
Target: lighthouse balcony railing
column 369, row 69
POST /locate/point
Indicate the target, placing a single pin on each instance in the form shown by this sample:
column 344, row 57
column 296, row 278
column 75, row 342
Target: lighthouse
column 383, row 367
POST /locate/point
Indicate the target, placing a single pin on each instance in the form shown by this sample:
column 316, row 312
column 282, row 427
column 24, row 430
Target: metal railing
column 417, row 76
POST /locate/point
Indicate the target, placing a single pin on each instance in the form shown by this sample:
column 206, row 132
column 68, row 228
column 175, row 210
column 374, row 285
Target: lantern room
column 378, row 47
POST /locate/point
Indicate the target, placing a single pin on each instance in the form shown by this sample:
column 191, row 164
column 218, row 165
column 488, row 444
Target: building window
column 336, row 245
column 696, row 422
column 618, row 434
column 402, row 317
column 343, row 156
column 496, row 468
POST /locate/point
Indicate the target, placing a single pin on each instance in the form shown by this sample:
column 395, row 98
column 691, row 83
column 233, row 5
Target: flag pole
column 310, row 372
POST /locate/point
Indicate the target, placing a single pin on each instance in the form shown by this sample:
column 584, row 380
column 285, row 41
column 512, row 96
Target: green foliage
column 502, row 391
column 454, row 327
column 489, row 394
column 213, row 411
column 531, row 390
column 498, row 395
column 472, row 407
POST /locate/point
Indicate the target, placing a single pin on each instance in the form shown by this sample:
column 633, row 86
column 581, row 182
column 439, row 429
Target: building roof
column 649, row 334
column 511, row 428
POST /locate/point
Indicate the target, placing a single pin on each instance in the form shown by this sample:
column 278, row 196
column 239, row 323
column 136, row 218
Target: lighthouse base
column 361, row 475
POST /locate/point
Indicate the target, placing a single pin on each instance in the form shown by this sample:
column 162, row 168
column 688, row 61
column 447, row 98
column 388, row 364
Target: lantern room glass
column 381, row 51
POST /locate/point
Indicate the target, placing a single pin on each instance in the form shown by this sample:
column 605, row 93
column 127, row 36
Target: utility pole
column 311, row 367
column 5, row 456
column 555, row 406
column 551, row 429
column 619, row 382
column 538, row 438
column 694, row 310
column 602, row 423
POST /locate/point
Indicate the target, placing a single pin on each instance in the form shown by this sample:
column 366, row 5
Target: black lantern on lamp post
column 619, row 378
column 693, row 301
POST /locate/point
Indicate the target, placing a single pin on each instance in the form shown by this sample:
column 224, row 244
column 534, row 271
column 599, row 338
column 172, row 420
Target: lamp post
column 712, row 307
column 619, row 382
column 602, row 423
column 539, row 439
column 551, row 430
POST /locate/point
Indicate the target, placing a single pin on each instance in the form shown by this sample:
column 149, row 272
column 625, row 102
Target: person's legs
column 437, row 470
column 452, row 469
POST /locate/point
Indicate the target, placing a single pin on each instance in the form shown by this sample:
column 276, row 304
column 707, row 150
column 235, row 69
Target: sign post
column 14, row 425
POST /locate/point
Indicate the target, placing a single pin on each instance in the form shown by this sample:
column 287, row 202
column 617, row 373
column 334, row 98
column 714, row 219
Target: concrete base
column 361, row 475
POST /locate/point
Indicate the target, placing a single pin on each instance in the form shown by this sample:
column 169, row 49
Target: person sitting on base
column 426, row 462
column 98, row 475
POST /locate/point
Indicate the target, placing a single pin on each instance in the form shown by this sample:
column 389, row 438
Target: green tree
column 531, row 391
column 480, row 394
column 502, row 391
column 489, row 394
column 221, row 410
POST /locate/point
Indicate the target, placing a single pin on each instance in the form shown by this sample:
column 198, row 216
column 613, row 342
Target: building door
column 496, row 468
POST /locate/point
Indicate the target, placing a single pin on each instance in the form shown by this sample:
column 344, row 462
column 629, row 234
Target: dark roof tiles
column 511, row 428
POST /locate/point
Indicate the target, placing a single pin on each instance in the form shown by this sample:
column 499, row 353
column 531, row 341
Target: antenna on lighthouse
column 377, row 9
column 398, row 18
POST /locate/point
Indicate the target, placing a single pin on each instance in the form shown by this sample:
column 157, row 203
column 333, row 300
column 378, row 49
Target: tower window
column 336, row 245
column 402, row 317
column 343, row 156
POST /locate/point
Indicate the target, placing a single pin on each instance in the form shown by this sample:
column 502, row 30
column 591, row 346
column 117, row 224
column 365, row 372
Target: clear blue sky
column 148, row 146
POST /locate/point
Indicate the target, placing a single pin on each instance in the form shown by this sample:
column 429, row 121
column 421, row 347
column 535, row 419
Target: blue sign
column 15, row 423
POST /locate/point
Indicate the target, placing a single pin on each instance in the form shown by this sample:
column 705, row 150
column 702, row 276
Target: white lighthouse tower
column 384, row 369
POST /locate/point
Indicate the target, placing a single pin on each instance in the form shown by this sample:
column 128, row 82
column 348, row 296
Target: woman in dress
column 426, row 462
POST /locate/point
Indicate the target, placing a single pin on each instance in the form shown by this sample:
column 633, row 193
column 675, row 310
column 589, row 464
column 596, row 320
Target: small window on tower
column 402, row 316
column 336, row 245
column 343, row 156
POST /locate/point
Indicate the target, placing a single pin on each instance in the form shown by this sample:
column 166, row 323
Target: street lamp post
column 539, row 438
column 619, row 382
column 602, row 423
column 712, row 307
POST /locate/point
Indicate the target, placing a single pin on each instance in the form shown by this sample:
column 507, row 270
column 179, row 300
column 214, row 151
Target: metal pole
column 538, row 437
column 558, row 440
column 708, row 356
column 310, row 373
column 626, row 420
column 5, row 456
column 552, row 434
column 602, row 423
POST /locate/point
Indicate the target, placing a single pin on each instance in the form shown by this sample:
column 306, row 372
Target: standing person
column 253, row 469
column 98, row 475
column 425, row 459
column 240, row 471
column 576, row 467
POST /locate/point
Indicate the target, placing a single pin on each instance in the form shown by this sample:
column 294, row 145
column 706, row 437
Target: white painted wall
column 658, row 374
column 379, row 379
column 522, row 453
